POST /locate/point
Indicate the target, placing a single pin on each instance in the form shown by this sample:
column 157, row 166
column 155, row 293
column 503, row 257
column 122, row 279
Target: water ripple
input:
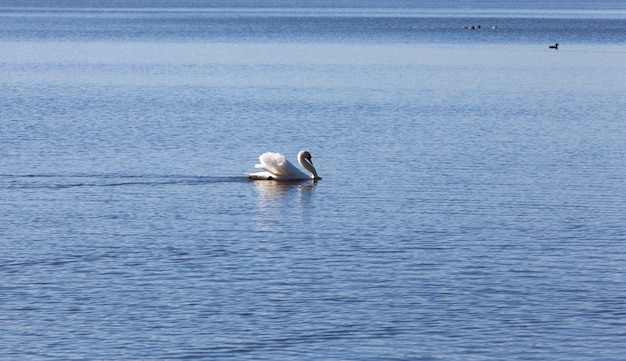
column 58, row 181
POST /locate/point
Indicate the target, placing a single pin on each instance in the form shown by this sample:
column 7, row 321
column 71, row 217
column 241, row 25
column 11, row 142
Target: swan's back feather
column 273, row 163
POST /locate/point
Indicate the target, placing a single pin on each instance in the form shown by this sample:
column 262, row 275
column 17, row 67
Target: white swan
column 277, row 167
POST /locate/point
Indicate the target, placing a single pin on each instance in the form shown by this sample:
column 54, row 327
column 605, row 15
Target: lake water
column 472, row 206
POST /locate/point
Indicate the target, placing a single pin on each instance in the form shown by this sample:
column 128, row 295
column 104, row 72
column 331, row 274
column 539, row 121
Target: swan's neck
column 306, row 164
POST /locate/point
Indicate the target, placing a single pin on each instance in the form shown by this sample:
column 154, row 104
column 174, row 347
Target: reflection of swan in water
column 272, row 192
column 282, row 203
column 277, row 167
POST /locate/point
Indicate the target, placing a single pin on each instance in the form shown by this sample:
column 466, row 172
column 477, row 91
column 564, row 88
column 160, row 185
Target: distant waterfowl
column 276, row 167
column 555, row 46
column 494, row 27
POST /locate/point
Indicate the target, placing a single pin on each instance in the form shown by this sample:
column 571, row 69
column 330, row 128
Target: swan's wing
column 271, row 162
column 278, row 165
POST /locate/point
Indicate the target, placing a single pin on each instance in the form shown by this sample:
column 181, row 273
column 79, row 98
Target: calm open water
column 472, row 207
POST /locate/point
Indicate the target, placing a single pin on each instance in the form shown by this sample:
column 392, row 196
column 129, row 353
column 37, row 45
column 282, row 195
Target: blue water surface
column 471, row 208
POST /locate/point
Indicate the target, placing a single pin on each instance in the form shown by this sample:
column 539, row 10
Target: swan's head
column 306, row 155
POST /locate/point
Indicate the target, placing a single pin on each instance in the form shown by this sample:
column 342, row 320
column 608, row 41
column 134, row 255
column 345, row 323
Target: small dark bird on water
column 555, row 46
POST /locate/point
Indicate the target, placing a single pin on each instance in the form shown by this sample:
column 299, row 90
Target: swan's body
column 276, row 167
